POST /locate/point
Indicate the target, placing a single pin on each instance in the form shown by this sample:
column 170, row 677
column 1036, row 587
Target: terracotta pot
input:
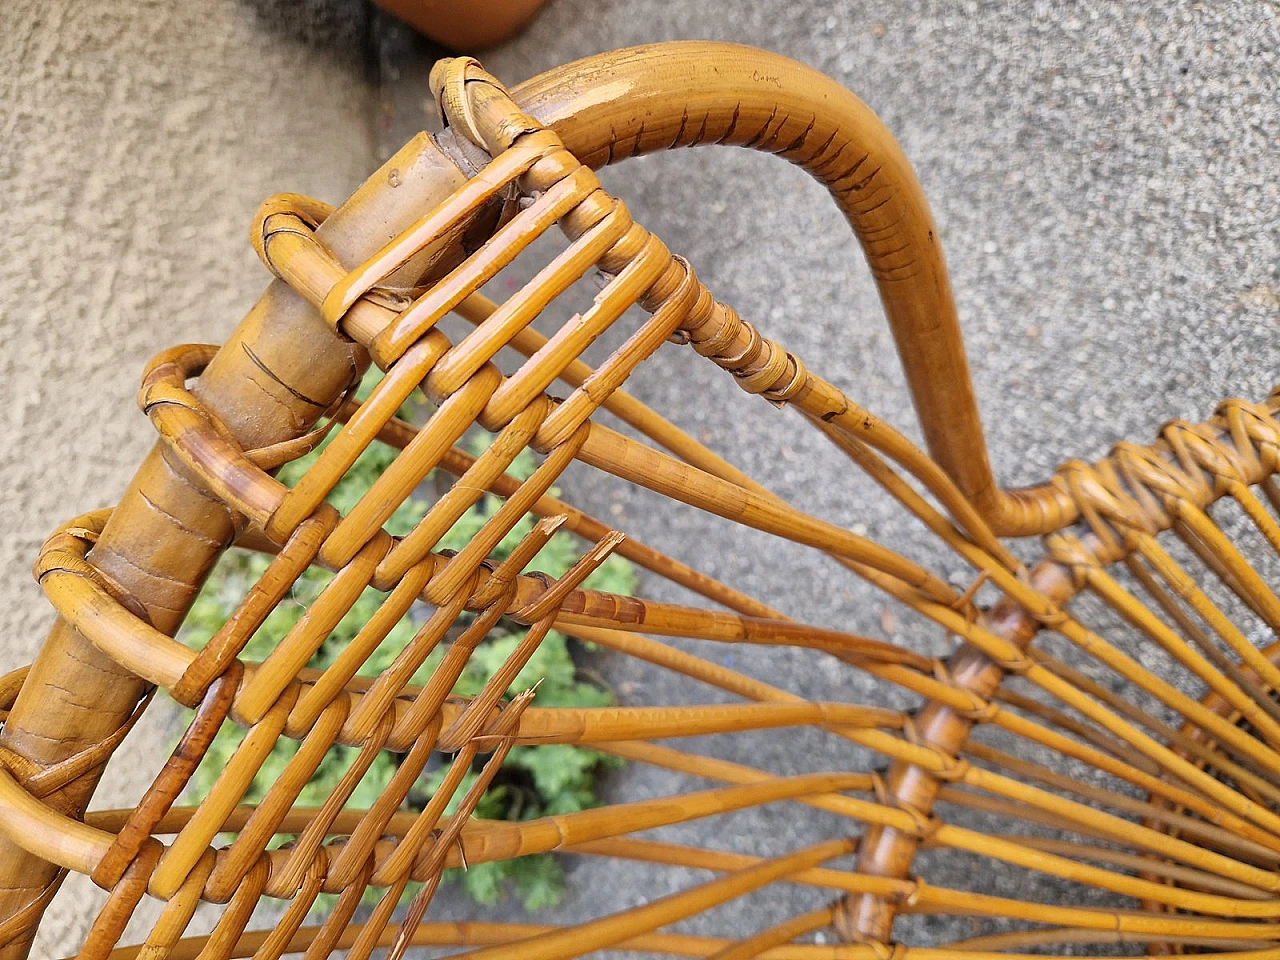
column 465, row 25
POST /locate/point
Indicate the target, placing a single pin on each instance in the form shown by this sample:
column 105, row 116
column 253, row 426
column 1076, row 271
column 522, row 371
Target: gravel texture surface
column 1106, row 179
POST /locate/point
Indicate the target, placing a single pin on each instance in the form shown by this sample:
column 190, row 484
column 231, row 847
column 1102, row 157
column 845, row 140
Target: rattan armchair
column 1151, row 791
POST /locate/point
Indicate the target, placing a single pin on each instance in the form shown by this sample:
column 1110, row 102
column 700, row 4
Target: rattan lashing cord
column 1184, row 819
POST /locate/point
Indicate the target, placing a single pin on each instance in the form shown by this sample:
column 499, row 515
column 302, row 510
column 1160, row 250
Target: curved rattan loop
column 644, row 99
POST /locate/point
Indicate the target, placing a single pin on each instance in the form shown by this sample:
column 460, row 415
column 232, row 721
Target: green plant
column 533, row 781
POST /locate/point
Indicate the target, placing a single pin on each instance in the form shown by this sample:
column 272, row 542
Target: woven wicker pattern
column 1151, row 784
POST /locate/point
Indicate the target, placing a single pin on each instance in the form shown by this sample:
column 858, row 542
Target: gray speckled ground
column 1106, row 178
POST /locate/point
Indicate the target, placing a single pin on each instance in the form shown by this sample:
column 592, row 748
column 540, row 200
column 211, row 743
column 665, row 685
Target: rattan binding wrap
column 1165, row 821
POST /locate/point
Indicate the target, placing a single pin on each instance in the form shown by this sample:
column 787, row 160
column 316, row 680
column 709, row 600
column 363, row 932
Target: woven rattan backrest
column 1130, row 752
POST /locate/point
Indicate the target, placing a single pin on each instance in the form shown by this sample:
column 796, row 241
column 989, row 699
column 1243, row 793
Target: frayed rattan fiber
column 1153, row 794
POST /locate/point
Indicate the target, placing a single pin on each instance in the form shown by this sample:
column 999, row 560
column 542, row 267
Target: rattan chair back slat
column 1145, row 779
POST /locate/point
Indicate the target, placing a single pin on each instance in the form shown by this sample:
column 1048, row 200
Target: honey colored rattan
column 1177, row 822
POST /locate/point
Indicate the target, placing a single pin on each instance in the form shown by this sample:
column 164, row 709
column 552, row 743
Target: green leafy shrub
column 533, row 781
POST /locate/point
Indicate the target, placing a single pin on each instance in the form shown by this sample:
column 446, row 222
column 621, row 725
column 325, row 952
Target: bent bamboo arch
column 662, row 96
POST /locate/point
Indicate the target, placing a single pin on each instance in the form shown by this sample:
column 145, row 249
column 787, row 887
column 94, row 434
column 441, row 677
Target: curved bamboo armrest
column 644, row 99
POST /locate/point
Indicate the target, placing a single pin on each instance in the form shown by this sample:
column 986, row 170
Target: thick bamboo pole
column 279, row 371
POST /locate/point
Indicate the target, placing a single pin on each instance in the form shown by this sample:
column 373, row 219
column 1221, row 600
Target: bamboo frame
column 1176, row 826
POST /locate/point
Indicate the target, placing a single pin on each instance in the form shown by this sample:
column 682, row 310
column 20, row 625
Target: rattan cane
column 1153, row 794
